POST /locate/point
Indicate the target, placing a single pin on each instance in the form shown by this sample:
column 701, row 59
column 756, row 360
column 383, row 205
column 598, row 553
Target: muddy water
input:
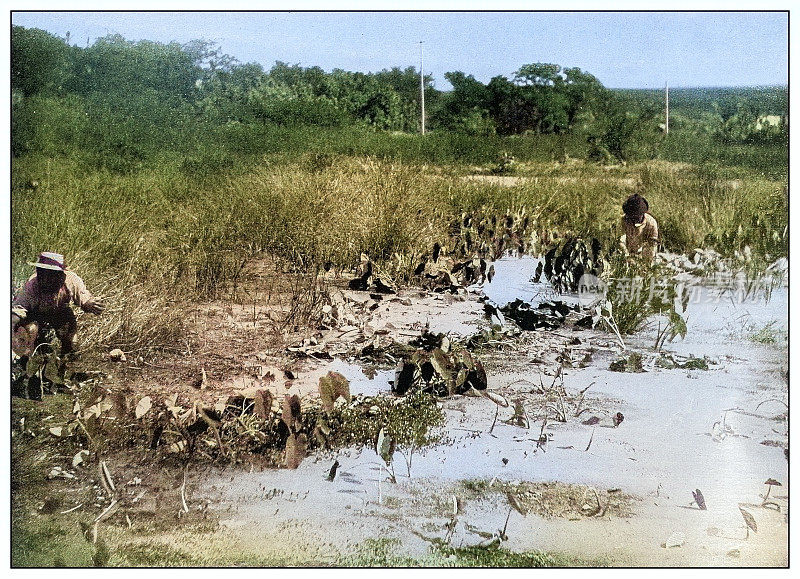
column 513, row 280
column 721, row 430
column 360, row 383
column 668, row 437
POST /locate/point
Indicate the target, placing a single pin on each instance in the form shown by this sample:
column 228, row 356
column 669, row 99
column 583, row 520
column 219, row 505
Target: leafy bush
column 636, row 293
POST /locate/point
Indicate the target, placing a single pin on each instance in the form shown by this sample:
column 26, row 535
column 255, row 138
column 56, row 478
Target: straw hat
column 48, row 260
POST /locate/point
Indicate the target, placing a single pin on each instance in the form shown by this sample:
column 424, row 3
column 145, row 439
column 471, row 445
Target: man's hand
column 18, row 314
column 94, row 307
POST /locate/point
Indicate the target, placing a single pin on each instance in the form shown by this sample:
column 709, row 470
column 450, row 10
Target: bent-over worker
column 44, row 302
column 639, row 229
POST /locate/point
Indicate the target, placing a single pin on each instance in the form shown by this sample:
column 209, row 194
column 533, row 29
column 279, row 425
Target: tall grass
column 771, row 161
column 235, row 140
column 158, row 239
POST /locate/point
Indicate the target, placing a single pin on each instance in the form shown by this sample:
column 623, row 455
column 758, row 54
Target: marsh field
column 311, row 353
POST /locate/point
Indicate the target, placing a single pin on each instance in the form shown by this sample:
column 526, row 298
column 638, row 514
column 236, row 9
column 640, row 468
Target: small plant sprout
column 591, row 438
column 604, row 311
column 750, row 522
column 579, row 401
column 598, row 511
column 770, row 482
column 385, row 448
column 514, row 506
column 520, row 416
column 451, row 524
column 542, row 440
column 699, row 499
column 499, row 401
column 332, row 471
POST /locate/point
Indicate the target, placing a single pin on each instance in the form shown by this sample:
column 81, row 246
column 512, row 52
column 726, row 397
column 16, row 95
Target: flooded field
column 721, row 430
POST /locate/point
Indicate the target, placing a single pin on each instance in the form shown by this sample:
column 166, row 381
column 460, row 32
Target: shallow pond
column 513, row 280
column 360, row 383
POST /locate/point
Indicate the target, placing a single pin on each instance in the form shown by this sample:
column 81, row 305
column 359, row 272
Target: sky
column 622, row 49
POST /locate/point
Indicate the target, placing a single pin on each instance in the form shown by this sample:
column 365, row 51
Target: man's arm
column 18, row 315
column 650, row 244
column 21, row 305
column 81, row 296
column 623, row 239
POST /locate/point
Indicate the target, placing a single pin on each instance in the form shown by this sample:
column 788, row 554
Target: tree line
column 121, row 100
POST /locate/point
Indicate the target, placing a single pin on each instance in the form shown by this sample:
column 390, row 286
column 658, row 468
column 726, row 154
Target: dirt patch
column 502, row 180
column 568, row 501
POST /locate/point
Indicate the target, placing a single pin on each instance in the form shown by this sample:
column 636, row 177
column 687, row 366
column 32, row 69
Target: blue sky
column 622, row 49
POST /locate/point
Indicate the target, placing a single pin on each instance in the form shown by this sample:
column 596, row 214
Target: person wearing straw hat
column 639, row 229
column 43, row 302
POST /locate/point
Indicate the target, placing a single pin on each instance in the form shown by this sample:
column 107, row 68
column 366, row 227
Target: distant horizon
column 752, row 87
column 623, row 49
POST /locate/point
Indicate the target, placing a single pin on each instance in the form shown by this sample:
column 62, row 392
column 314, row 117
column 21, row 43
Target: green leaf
column 678, row 324
column 385, row 447
column 52, row 371
column 461, row 378
column 748, row 519
column 35, row 363
column 442, row 365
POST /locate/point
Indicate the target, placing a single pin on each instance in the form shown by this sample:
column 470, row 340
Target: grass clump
column 632, row 363
column 47, row 542
column 152, row 554
column 766, row 335
column 411, row 421
column 385, row 553
column 378, row 553
column 495, row 556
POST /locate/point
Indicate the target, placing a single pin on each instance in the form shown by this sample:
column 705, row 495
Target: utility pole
column 422, row 87
column 666, row 94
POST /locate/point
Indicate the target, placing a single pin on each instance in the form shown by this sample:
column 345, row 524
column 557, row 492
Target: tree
column 226, row 94
column 118, row 68
column 406, row 83
column 539, row 74
column 41, row 63
column 583, row 92
column 622, row 133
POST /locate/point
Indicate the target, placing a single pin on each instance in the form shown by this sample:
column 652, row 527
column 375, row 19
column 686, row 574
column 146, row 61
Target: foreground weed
column 496, row 556
column 153, row 554
column 44, row 542
column 378, row 553
column 767, row 335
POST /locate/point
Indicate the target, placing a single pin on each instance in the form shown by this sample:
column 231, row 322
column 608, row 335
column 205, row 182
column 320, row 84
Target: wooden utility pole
column 666, row 94
column 422, row 87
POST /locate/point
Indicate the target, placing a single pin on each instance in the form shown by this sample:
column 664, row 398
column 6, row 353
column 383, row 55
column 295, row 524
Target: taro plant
column 385, row 447
column 636, row 293
column 44, row 369
column 604, row 311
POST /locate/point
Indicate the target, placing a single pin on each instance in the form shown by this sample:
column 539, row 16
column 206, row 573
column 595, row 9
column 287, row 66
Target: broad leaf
column 143, row 407
column 748, row 519
column 385, row 447
column 80, row 457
